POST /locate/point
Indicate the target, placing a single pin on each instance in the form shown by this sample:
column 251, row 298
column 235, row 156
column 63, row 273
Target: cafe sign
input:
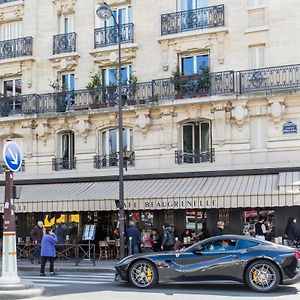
column 289, row 127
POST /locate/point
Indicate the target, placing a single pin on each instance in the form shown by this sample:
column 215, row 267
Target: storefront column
column 179, row 221
column 236, row 223
column 158, row 221
column 212, row 218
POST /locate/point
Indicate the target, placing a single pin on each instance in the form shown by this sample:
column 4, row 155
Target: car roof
column 236, row 237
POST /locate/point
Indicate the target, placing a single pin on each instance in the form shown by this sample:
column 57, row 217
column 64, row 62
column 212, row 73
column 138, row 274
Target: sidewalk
column 102, row 266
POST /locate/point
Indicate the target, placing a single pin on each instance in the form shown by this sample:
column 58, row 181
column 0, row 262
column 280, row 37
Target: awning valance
column 179, row 193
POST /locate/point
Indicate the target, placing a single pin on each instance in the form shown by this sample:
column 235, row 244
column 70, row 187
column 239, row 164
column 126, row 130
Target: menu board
column 89, row 231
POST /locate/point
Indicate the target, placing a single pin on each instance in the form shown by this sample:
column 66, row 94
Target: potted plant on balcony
column 94, row 87
column 204, row 80
column 112, row 94
column 60, row 94
column 132, row 87
column 176, row 79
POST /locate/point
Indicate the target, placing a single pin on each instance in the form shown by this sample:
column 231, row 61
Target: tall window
column 66, row 24
column 256, row 56
column 124, row 12
column 12, row 87
column 67, row 145
column 192, row 4
column 194, row 64
column 110, row 75
column 11, row 30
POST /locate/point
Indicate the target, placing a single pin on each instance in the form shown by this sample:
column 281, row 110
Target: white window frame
column 70, row 23
column 194, row 5
column 14, row 84
column 194, row 56
column 106, row 70
column 69, row 79
column 254, row 3
column 10, row 30
column 71, row 135
column 258, row 52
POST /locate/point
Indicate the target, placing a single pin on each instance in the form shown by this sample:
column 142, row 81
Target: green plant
column 57, row 87
column 176, row 79
column 203, row 80
column 132, row 82
column 96, row 81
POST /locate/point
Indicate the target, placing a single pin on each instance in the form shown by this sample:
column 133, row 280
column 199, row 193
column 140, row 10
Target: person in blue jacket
column 48, row 251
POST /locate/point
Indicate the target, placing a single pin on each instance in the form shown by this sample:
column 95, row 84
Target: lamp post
column 104, row 12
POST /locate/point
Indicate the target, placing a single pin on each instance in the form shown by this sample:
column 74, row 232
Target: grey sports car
column 261, row 265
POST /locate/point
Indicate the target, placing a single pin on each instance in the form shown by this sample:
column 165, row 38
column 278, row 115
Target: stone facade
column 247, row 128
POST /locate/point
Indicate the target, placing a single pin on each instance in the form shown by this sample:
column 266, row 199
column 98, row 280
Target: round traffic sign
column 12, row 156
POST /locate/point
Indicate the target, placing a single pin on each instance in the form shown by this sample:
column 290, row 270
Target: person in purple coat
column 48, row 251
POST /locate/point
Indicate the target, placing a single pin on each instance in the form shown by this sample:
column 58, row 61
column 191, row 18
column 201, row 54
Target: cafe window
column 194, row 220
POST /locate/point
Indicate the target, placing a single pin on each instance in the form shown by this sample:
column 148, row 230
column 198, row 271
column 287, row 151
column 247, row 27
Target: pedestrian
column 219, row 230
column 133, row 238
column 205, row 234
column 168, row 240
column 156, row 240
column 292, row 232
column 146, row 241
column 48, row 251
column 260, row 229
column 36, row 236
column 61, row 233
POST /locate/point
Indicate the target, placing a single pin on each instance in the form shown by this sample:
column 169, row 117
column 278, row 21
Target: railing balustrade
column 195, row 156
column 64, row 43
column 259, row 81
column 206, row 17
column 107, row 36
column 112, row 160
column 64, row 163
column 16, row 47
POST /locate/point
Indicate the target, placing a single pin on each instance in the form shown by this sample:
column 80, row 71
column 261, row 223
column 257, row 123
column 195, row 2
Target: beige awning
column 180, row 193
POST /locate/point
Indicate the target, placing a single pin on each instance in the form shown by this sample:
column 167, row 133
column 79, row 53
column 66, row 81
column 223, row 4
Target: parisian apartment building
column 211, row 112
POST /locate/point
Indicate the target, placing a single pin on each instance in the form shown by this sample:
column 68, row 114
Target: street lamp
column 104, row 12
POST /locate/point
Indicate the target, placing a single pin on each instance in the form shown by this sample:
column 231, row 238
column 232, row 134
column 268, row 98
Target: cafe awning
column 155, row 194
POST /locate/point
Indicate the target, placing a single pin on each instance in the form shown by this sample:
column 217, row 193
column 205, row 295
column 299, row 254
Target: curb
column 69, row 268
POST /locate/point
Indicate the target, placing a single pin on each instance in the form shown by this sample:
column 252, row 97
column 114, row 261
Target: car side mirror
column 198, row 251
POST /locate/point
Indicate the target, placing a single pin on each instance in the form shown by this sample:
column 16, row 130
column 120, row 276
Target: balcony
column 64, row 43
column 16, row 48
column 112, row 160
column 3, row 167
column 194, row 156
column 200, row 18
column 59, row 164
column 107, row 36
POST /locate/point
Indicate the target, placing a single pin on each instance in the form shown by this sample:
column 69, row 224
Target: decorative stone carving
column 13, row 12
column 276, row 110
column 143, row 121
column 65, row 7
column 194, row 111
column 219, row 110
column 240, row 114
column 83, row 128
column 43, row 131
column 64, row 62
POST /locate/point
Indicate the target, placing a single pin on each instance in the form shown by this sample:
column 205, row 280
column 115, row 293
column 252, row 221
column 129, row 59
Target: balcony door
column 67, row 149
column 192, row 4
column 196, row 141
column 68, row 87
column 66, row 24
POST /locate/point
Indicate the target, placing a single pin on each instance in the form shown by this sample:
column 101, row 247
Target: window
column 219, row 246
column 256, row 56
column 66, row 151
column 194, row 64
column 11, row 30
column 66, row 24
column 68, row 81
column 12, row 87
column 192, row 4
column 244, row 244
column 110, row 145
column 110, row 75
column 68, row 85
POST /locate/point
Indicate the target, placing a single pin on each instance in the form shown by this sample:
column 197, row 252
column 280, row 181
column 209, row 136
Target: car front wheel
column 143, row 274
column 262, row 276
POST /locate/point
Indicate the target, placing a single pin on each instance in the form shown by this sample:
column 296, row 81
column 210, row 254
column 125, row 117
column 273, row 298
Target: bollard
column 130, row 246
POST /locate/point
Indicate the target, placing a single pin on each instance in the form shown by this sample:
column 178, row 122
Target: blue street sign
column 12, row 156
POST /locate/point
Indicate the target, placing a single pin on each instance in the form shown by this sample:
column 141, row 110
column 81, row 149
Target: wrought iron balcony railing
column 259, row 81
column 7, row 1
column 194, row 156
column 16, row 48
column 207, row 17
column 63, row 163
column 64, row 43
column 3, row 166
column 112, row 160
column 107, row 36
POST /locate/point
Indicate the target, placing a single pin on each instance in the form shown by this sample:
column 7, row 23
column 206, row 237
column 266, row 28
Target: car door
column 210, row 261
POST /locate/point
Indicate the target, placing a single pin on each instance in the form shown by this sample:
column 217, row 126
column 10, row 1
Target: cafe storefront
column 184, row 203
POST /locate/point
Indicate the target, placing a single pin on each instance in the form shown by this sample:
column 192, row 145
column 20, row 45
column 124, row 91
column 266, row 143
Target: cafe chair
column 103, row 250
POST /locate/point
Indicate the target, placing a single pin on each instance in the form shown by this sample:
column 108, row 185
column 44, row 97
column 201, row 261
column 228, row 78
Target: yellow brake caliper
column 149, row 274
column 255, row 278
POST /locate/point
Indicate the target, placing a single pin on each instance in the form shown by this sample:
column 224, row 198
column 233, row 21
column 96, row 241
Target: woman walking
column 292, row 233
column 48, row 252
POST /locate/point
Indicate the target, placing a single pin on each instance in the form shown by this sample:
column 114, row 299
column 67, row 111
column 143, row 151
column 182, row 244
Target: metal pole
column 9, row 257
column 121, row 164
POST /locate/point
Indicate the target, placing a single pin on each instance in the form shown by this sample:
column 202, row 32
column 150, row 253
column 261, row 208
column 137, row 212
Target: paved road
column 84, row 286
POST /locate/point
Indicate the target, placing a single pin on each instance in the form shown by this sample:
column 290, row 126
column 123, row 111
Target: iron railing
column 7, row 1
column 3, row 166
column 269, row 79
column 106, row 36
column 16, row 47
column 63, row 163
column 112, row 160
column 207, row 17
column 64, row 43
column 280, row 79
column 194, row 156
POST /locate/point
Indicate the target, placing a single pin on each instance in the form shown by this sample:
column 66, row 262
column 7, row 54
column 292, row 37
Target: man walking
column 219, row 230
column 260, row 229
column 36, row 236
column 133, row 238
column 168, row 240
